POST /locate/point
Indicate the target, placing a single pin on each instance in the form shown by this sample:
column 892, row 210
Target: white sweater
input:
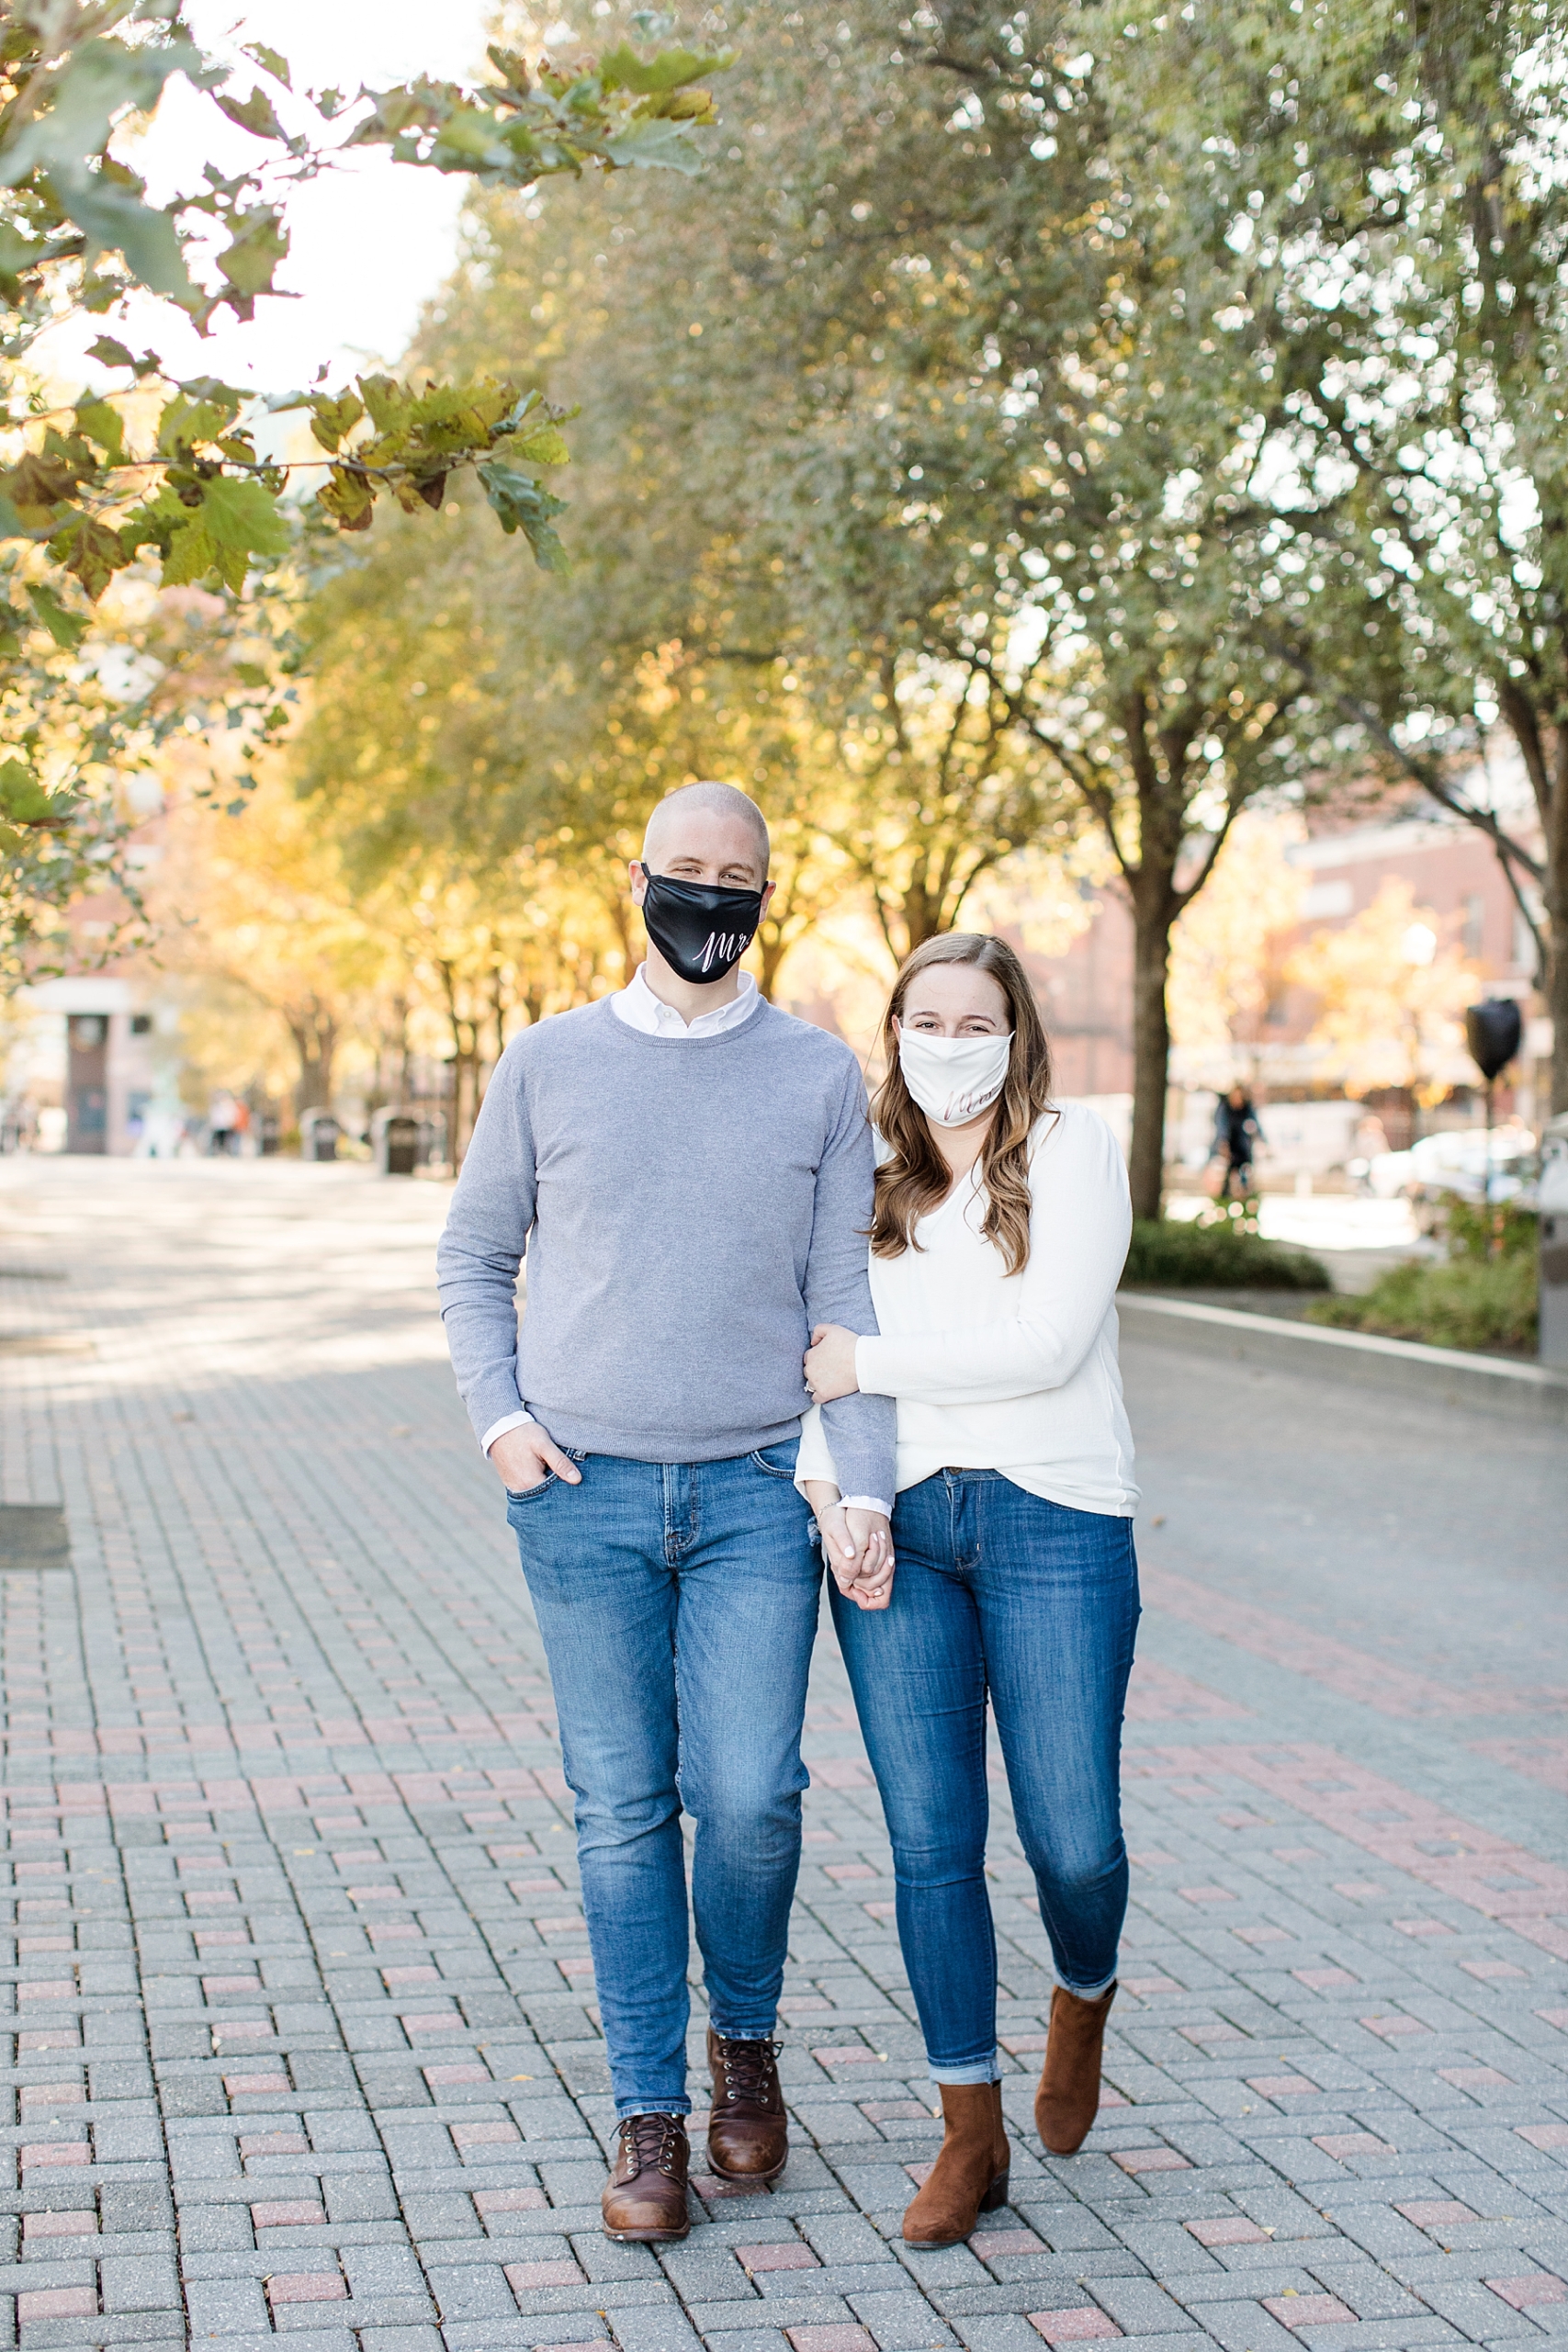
column 1015, row 1373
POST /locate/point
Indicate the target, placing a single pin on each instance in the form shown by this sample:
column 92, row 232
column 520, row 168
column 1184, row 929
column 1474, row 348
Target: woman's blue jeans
column 997, row 1589
column 678, row 1604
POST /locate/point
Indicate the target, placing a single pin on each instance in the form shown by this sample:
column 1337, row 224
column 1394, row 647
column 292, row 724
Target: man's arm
column 479, row 1253
column 860, row 1430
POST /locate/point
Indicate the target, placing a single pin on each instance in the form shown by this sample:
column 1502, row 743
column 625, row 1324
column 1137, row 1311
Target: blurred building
column 88, row 1053
column 1086, row 994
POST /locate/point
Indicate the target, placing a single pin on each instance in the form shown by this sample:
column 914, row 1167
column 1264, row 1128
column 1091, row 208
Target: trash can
column 271, row 1134
column 396, row 1139
column 319, row 1133
column 1553, row 1202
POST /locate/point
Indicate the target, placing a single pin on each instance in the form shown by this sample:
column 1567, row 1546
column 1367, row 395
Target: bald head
column 716, row 823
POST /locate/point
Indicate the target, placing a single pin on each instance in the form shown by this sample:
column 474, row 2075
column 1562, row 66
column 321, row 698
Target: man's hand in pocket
column 525, row 1456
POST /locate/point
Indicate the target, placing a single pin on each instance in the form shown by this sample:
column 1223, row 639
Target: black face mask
column 700, row 932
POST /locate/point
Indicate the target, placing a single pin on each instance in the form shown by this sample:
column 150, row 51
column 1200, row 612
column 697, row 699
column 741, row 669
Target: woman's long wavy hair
column 915, row 1178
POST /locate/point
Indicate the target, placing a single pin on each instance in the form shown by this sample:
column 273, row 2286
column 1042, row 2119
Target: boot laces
column 749, row 2069
column 651, row 2143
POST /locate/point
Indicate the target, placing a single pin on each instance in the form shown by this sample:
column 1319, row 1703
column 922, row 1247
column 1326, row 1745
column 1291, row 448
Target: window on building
column 142, row 1025
column 1524, row 945
column 1474, row 923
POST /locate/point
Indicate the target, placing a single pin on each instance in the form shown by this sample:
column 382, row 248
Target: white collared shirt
column 636, row 1005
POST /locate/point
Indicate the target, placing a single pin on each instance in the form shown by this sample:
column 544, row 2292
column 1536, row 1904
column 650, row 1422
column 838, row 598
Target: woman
column 1000, row 1225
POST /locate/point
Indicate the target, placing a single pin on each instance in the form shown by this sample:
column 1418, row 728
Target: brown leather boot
column 645, row 2198
column 970, row 2176
column 747, row 2129
column 1068, row 2099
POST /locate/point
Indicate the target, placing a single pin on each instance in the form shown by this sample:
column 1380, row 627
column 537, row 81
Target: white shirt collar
column 636, row 1005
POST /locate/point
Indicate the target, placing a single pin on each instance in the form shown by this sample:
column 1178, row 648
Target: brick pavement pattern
column 300, row 2039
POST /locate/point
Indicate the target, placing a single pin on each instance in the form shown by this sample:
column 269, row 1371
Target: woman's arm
column 1080, row 1222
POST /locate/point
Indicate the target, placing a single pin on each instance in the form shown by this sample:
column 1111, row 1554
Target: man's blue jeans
column 996, row 1588
column 678, row 1605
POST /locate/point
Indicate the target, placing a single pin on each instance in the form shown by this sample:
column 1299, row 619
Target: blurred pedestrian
column 220, row 1114
column 1002, row 1221
column 1236, row 1128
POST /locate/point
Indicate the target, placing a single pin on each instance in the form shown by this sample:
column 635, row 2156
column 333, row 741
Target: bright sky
column 370, row 241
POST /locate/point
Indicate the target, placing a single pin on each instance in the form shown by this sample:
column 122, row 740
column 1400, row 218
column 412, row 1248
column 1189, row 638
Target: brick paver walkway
column 300, row 2015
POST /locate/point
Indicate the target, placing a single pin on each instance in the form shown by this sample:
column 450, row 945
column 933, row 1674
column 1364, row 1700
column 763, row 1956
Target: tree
column 273, row 918
column 148, row 464
column 1030, row 426
column 1409, row 207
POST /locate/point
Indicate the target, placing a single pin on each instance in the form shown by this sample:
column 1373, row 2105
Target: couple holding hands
column 698, row 1188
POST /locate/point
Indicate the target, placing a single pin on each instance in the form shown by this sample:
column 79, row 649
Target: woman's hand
column 830, row 1363
column 857, row 1547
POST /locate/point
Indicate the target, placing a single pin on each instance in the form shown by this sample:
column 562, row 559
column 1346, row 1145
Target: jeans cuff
column 657, row 2103
column 1087, row 1992
column 744, row 2032
column 974, row 2070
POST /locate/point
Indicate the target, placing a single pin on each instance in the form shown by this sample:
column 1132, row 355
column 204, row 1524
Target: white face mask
column 953, row 1079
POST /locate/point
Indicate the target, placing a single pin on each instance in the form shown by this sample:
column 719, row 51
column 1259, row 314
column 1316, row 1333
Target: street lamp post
column 1492, row 1030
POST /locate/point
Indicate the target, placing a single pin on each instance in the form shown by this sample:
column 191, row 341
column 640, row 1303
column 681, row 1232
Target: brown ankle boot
column 747, row 2129
column 645, row 2198
column 970, row 2176
column 1068, row 2099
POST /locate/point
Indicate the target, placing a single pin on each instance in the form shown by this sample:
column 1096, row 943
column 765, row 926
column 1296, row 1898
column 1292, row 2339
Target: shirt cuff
column 498, row 1429
column 866, row 1367
column 868, row 1502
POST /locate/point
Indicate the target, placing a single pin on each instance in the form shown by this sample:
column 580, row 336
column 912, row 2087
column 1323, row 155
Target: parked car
column 1456, row 1162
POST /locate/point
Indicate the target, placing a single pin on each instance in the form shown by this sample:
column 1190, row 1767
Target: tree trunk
column 1151, row 1050
column 1555, row 895
column 314, row 1032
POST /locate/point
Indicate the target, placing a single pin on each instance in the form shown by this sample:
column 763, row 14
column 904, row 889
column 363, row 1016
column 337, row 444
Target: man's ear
column 638, row 877
column 768, row 889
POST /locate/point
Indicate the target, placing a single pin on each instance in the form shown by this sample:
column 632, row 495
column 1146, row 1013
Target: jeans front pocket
column 765, row 1458
column 529, row 1494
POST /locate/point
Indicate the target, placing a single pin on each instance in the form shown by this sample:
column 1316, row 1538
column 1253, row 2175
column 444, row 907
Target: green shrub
column 1470, row 1229
column 1470, row 1303
column 1216, row 1255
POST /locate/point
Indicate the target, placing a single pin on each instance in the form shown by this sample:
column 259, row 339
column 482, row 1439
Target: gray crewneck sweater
column 690, row 1208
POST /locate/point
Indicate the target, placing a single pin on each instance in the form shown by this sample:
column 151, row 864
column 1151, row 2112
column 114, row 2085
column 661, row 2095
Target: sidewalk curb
column 1443, row 1375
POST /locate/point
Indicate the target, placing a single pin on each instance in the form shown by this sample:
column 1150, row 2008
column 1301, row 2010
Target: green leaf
column 253, row 114
column 120, row 222
column 650, row 141
column 22, row 798
column 186, row 423
column 470, row 140
column 243, row 517
column 191, row 556
column 103, row 423
column 331, row 418
column 542, row 445
column 259, row 243
column 622, row 69
column 66, row 628
column 18, row 253
column 271, row 61
column 521, row 506
column 250, row 674
column 110, row 354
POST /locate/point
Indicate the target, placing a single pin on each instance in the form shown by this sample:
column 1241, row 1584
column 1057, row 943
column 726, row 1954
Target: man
column 1237, row 1127
column 691, row 1172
